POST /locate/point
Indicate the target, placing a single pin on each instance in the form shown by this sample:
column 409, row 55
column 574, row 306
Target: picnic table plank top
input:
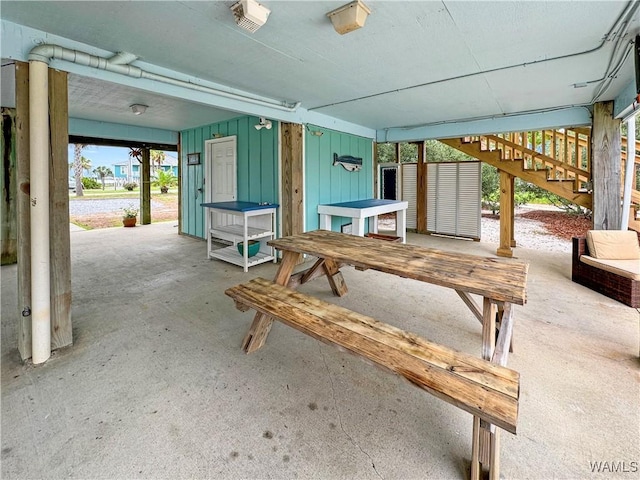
column 498, row 279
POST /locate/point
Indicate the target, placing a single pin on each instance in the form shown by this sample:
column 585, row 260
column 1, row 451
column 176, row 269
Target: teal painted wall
column 257, row 167
column 325, row 183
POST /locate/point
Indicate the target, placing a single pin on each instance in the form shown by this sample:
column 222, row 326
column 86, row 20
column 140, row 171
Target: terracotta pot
column 129, row 221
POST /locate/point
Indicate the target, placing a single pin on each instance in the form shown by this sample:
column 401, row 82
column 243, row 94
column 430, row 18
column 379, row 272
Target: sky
column 107, row 156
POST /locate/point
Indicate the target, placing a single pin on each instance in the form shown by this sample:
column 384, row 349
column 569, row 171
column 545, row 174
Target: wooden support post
column 607, row 213
column 421, row 200
column 145, row 187
column 292, row 187
column 506, row 215
column 23, row 208
column 512, row 180
column 60, row 242
column 376, row 172
column 8, row 213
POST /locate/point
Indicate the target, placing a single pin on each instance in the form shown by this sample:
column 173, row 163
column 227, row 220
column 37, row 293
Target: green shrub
column 130, row 186
column 90, row 184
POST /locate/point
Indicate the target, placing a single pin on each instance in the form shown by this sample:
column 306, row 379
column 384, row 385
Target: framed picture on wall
column 193, row 159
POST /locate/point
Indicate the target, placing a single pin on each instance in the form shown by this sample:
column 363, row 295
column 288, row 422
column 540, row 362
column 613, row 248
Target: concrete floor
column 155, row 385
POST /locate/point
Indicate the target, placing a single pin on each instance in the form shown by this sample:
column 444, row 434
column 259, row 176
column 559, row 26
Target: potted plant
column 130, row 216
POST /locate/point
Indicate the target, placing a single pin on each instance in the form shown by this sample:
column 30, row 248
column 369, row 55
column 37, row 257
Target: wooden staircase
column 556, row 160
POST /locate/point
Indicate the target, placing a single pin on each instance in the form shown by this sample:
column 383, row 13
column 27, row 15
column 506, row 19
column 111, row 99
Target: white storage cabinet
column 238, row 222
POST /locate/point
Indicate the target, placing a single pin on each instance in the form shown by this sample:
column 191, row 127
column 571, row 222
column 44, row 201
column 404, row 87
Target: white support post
column 39, row 199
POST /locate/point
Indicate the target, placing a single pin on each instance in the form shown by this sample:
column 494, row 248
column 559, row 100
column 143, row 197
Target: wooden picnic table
column 500, row 282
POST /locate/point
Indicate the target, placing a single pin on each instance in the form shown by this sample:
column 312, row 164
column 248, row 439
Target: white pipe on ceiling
column 629, row 171
column 45, row 53
column 39, row 200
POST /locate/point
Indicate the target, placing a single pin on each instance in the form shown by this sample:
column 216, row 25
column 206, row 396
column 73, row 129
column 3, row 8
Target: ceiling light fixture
column 138, row 109
column 264, row 123
column 349, row 17
column 250, row 15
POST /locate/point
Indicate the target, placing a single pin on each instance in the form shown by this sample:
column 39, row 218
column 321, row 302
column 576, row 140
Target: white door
column 221, row 183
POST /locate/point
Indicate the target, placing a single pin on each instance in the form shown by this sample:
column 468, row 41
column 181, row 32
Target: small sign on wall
column 193, row 159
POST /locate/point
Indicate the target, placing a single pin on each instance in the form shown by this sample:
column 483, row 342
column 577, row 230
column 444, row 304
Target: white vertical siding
column 453, row 198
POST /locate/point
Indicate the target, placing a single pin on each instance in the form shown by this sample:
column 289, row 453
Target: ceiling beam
column 109, row 142
column 573, row 116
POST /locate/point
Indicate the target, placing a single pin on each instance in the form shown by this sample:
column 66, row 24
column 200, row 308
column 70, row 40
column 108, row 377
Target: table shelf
column 231, row 255
column 236, row 232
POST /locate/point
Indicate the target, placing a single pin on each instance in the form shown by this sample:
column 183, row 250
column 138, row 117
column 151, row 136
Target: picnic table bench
column 483, row 386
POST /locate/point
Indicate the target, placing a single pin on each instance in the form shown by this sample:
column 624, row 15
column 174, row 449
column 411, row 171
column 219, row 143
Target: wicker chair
column 613, row 285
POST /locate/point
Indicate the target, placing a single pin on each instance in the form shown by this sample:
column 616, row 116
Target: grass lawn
column 166, row 212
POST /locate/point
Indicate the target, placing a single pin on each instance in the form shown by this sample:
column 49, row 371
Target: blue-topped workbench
column 360, row 210
column 240, row 222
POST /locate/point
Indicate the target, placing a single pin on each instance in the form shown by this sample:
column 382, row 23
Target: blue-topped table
column 241, row 222
column 359, row 210
column 239, row 206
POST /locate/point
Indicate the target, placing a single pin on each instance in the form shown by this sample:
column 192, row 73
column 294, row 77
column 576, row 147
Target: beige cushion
column 613, row 244
column 624, row 268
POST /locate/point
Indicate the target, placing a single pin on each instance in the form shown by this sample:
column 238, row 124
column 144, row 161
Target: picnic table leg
column 499, row 316
column 336, row 280
column 485, row 450
column 259, row 330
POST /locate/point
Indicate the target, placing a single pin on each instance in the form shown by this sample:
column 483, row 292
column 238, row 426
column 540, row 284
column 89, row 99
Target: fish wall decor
column 350, row 164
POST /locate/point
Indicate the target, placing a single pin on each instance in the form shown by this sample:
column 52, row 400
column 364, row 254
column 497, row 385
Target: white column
column 39, row 196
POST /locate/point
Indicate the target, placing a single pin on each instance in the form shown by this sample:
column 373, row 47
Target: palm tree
column 102, row 172
column 165, row 179
column 157, row 158
column 137, row 154
column 77, row 167
column 86, row 164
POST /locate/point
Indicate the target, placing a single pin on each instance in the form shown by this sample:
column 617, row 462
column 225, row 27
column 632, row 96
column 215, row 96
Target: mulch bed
column 560, row 224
